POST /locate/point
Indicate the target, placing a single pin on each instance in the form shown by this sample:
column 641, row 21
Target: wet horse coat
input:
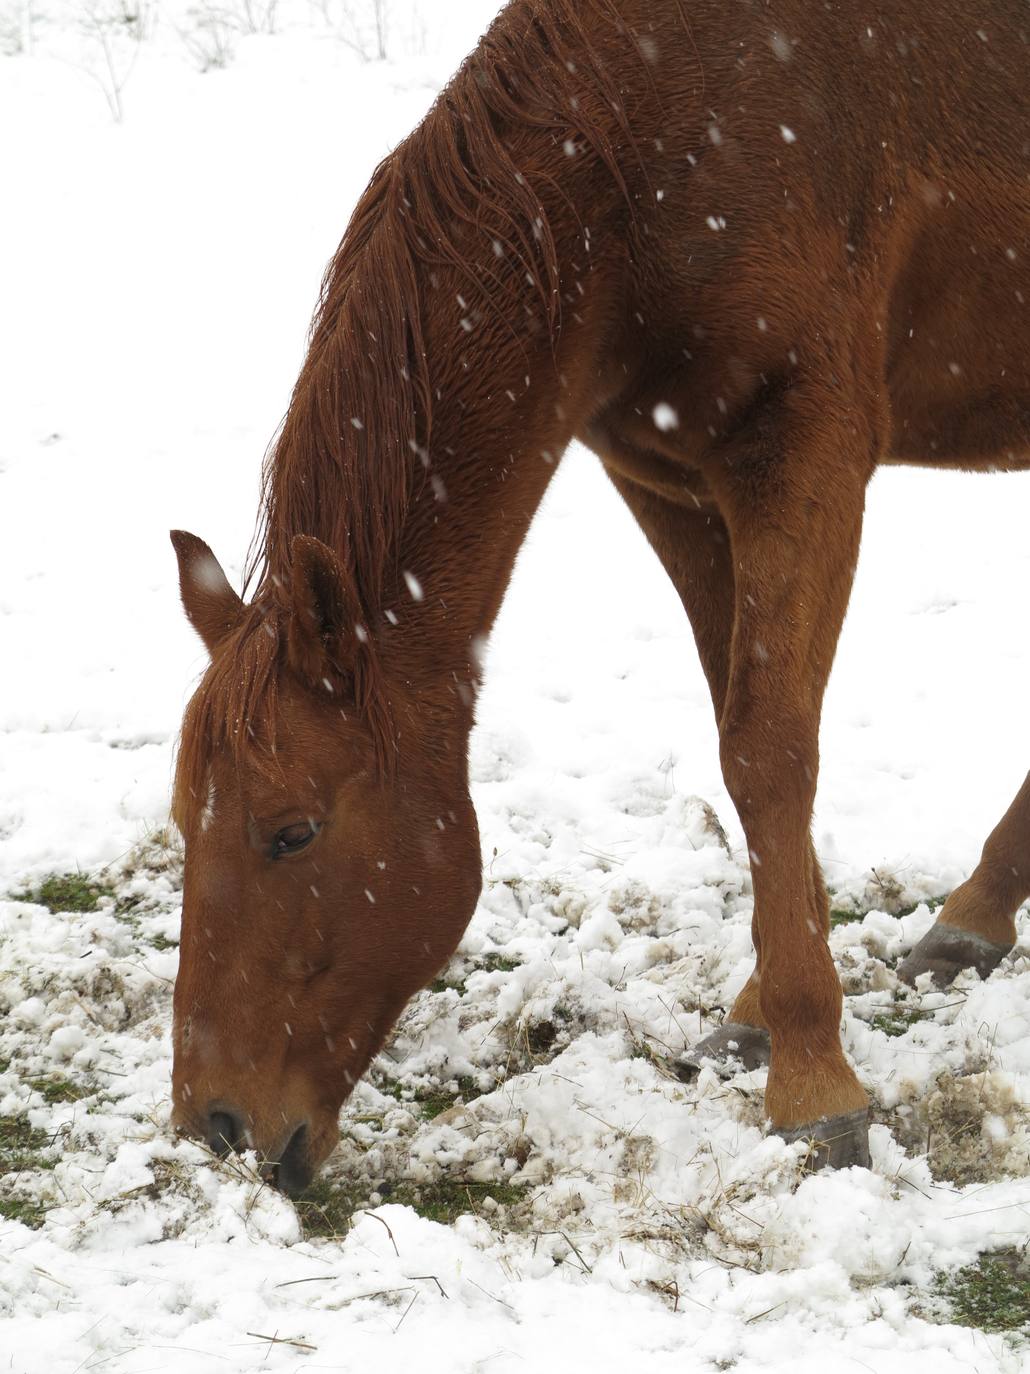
column 746, row 253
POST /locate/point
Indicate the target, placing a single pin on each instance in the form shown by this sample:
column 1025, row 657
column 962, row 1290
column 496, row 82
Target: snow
column 158, row 278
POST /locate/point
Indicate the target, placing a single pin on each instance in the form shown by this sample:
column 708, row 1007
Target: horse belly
column 958, row 368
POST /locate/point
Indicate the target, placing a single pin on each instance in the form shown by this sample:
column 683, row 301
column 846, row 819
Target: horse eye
column 293, row 838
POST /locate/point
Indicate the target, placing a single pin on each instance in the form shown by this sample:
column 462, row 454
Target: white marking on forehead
column 208, row 813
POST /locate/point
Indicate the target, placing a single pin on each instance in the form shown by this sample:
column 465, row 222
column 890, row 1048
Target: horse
column 746, row 254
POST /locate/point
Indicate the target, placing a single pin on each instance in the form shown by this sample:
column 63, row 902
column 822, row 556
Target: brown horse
column 746, row 253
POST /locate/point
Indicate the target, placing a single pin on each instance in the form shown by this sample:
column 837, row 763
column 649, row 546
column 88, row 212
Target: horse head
column 324, row 883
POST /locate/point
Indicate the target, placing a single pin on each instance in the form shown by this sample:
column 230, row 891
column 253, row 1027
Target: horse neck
column 508, row 403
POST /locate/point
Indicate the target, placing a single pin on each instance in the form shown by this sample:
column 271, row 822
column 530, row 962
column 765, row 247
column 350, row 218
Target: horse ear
column 326, row 633
column 211, row 605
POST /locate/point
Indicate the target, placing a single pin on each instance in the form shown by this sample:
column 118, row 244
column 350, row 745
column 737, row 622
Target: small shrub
column 886, row 891
column 161, row 851
column 212, row 35
column 971, row 1127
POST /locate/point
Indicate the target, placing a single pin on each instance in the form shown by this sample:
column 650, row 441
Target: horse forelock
column 233, row 711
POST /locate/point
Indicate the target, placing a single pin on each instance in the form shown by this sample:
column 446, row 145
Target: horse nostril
column 294, row 1172
column 224, row 1133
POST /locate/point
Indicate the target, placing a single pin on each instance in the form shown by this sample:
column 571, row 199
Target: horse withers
column 746, row 253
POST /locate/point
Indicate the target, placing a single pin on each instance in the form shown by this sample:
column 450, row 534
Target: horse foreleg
column 976, row 927
column 693, row 545
column 793, row 502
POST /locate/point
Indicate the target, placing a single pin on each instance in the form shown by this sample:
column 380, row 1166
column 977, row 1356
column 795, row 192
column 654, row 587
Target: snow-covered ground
column 157, row 277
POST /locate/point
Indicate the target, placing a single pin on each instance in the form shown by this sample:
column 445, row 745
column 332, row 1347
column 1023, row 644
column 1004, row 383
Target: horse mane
column 354, row 449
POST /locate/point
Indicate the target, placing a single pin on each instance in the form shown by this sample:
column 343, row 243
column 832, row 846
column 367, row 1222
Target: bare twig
column 575, row 1249
column 434, row 1279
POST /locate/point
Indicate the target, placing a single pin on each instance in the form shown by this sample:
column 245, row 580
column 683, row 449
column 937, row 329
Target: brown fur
column 805, row 231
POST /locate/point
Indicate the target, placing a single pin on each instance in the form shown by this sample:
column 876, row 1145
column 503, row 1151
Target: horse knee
column 770, row 770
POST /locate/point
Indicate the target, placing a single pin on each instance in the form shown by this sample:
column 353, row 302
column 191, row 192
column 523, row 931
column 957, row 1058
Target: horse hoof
column 945, row 951
column 834, row 1142
column 733, row 1045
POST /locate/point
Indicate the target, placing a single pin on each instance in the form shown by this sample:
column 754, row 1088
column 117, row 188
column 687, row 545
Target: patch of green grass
column 992, row 1295
column 67, row 892
column 432, row 1101
column 126, row 911
column 29, row 1211
column 130, row 911
column 55, row 1088
column 497, row 963
column 898, row 1020
column 840, row 917
column 931, row 904
column 489, row 963
column 327, row 1208
column 21, row 1152
column 447, row 1199
column 435, row 1102
column 64, row 892
column 52, row 1087
column 21, row 1146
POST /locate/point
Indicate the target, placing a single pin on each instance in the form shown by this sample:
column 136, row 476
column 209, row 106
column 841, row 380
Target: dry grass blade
column 376, row 1293
column 315, row 1278
column 388, row 1231
column 294, row 1341
column 491, row 1295
column 759, row 1315
column 405, row 1313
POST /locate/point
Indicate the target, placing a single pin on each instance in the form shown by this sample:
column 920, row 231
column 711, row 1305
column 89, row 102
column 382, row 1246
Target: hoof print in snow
column 729, row 1048
column 834, row 1142
column 945, row 951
